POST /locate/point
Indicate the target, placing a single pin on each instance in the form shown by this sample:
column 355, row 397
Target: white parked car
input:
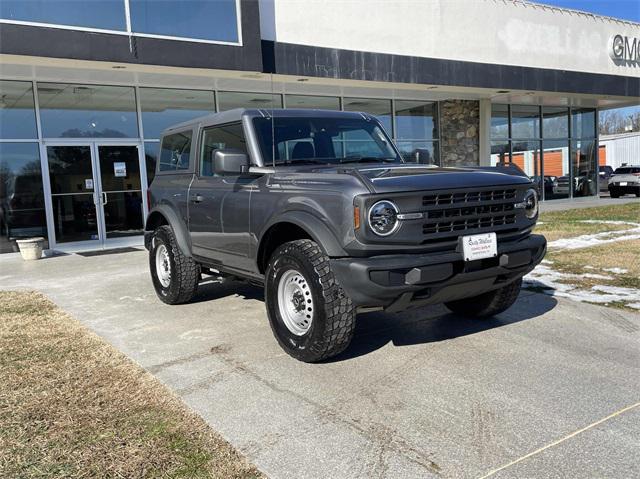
column 625, row 181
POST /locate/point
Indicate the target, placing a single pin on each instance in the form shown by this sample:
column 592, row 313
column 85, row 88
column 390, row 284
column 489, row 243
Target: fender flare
column 314, row 226
column 173, row 219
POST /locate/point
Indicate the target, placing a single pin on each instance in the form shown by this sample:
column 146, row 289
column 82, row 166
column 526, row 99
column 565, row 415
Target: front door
column 96, row 193
column 120, row 190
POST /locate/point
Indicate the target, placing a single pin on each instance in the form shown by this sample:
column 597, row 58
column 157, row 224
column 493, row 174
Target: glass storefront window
column 525, row 121
column 526, row 154
column 22, row 211
column 555, row 122
column 416, row 120
column 500, row 152
column 228, row 100
column 424, row 152
column 87, row 111
column 556, row 168
column 198, row 19
column 585, row 174
column 499, row 122
column 151, row 158
column 17, row 111
column 381, row 109
column 583, row 123
column 316, row 102
column 164, row 107
column 102, row 14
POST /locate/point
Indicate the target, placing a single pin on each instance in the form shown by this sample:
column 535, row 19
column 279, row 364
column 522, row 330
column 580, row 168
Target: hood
column 399, row 178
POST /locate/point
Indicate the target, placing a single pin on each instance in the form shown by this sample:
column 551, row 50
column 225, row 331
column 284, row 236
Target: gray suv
column 319, row 208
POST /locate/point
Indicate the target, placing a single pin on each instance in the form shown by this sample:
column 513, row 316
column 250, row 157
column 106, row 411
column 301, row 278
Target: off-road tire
column 487, row 304
column 334, row 316
column 185, row 272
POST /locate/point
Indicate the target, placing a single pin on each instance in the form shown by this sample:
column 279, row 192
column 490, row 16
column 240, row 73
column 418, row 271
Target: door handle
column 197, row 198
column 104, row 198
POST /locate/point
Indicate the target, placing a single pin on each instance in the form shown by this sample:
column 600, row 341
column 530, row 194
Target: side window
column 175, row 150
column 223, row 137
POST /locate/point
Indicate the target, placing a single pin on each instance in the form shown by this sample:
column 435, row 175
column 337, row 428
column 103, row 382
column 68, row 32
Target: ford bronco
column 320, row 209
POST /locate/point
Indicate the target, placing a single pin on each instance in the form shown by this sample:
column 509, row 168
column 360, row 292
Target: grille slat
column 455, row 213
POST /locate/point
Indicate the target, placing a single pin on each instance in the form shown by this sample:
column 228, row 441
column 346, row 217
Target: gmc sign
column 625, row 49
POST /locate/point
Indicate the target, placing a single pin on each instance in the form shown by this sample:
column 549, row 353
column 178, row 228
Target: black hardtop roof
column 237, row 113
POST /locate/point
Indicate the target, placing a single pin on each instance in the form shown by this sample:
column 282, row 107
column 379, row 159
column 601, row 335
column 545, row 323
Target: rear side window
column 626, row 170
column 175, row 151
column 224, row 137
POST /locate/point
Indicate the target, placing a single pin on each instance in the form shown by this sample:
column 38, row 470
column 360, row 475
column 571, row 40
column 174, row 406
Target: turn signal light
column 356, row 217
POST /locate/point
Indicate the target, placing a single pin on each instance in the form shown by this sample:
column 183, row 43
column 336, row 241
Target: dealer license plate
column 623, row 183
column 479, row 246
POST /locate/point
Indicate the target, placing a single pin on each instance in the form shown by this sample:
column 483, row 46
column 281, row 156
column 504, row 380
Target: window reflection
column 415, row 120
column 556, row 168
column 228, row 100
column 22, row 213
column 555, row 122
column 87, row 111
column 381, row 109
column 499, row 121
column 315, row 102
column 583, row 123
column 17, row 111
column 164, row 107
column 198, row 19
column 585, row 176
column 526, row 154
column 151, row 158
column 102, row 14
column 525, row 121
column 500, row 152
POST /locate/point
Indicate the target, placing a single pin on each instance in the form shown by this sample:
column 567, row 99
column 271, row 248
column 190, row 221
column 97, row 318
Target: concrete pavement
column 419, row 394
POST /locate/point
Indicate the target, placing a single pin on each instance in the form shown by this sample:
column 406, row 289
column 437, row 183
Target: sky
column 625, row 9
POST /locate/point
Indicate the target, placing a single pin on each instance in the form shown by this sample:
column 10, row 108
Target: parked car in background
column 604, row 173
column 625, row 181
column 582, row 185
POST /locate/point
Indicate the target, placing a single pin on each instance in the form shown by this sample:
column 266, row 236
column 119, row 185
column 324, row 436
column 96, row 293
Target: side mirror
column 230, row 162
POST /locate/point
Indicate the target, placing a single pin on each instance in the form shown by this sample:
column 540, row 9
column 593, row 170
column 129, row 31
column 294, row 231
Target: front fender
column 171, row 218
column 319, row 231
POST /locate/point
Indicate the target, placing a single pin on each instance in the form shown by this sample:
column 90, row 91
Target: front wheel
column 175, row 275
column 309, row 313
column 487, row 304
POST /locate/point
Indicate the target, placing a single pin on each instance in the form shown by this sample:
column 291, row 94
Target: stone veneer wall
column 459, row 132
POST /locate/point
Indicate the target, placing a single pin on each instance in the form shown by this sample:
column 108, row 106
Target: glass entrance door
column 120, row 190
column 73, row 193
column 96, row 193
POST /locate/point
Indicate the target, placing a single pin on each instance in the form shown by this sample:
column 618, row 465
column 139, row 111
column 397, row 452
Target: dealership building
column 86, row 89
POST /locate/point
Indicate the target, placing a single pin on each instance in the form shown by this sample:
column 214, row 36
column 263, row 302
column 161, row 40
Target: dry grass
column 567, row 224
column 623, row 254
column 73, row 406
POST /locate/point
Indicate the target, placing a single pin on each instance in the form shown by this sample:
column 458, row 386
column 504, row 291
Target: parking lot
column 551, row 385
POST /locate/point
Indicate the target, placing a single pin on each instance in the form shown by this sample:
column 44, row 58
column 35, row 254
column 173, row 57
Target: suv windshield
column 322, row 140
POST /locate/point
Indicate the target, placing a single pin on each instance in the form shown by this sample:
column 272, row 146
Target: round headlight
column 383, row 218
column 531, row 203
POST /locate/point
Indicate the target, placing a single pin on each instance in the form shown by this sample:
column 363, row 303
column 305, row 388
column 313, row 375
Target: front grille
column 468, row 197
column 447, row 215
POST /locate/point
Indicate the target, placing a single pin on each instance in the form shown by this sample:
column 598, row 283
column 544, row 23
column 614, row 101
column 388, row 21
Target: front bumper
column 628, row 189
column 398, row 282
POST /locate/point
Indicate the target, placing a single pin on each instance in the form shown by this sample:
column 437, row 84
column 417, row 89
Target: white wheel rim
column 295, row 302
column 163, row 266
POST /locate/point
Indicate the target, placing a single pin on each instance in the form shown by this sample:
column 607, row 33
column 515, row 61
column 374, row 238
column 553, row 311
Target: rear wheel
column 487, row 304
column 309, row 313
column 175, row 276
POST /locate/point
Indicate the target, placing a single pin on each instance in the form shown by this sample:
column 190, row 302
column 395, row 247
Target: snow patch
column 551, row 283
column 596, row 276
column 616, row 270
column 596, row 239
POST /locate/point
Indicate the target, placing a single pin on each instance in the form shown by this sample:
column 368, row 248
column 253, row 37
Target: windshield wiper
column 306, row 161
column 367, row 159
